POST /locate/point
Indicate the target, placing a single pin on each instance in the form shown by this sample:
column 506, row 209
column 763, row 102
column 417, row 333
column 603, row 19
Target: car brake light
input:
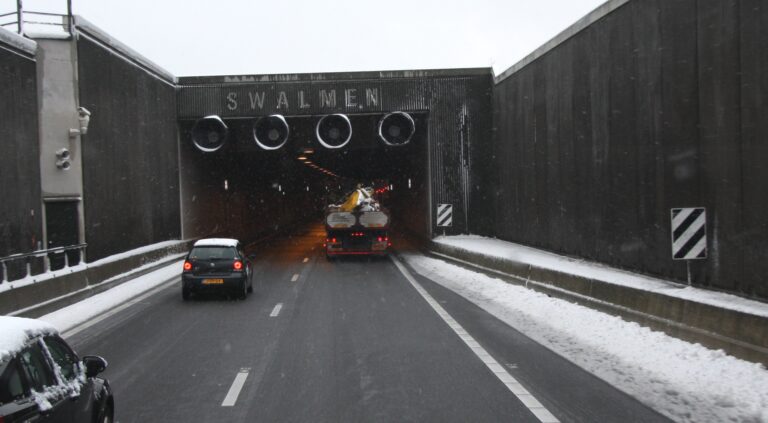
column 187, row 266
column 333, row 240
column 379, row 239
column 238, row 265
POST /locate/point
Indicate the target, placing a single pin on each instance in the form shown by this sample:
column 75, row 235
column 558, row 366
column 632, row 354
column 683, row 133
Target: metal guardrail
column 45, row 254
column 19, row 13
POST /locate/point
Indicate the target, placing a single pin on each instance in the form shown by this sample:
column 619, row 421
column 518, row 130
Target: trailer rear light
column 187, row 266
column 238, row 265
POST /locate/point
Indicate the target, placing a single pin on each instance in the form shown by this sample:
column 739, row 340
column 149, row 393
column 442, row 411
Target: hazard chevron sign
column 689, row 233
column 444, row 215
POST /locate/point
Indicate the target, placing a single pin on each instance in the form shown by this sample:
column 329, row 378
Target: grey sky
column 196, row 37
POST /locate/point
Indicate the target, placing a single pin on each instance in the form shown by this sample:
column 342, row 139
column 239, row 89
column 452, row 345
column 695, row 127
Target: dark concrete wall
column 20, row 209
column 659, row 104
column 130, row 154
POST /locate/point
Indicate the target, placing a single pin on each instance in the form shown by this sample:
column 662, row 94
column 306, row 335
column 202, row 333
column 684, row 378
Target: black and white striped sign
column 444, row 214
column 689, row 233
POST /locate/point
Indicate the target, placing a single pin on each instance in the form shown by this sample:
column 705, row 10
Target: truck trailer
column 359, row 226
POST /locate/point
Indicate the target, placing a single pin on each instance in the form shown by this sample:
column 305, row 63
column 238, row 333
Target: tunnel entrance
column 245, row 191
column 261, row 153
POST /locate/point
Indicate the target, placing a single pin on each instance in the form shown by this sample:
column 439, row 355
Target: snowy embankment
column 686, row 382
column 69, row 317
column 543, row 259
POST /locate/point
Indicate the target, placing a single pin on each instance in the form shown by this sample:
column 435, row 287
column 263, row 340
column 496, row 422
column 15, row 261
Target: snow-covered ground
column 69, row 317
column 686, row 382
column 543, row 259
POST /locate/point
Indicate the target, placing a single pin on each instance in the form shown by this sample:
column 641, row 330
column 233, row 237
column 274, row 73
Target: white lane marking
column 295, row 277
column 276, row 310
column 234, row 390
column 306, row 259
column 85, row 325
column 538, row 410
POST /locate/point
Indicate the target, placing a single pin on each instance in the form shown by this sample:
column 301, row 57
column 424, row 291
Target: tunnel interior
column 245, row 191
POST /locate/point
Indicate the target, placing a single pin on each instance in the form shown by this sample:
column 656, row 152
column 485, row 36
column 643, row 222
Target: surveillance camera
column 84, row 116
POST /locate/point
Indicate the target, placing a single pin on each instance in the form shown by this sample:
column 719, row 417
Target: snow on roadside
column 491, row 247
column 75, row 314
column 686, row 382
column 18, row 283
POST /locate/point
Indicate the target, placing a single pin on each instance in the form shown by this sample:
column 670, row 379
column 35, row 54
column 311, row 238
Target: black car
column 42, row 379
column 217, row 265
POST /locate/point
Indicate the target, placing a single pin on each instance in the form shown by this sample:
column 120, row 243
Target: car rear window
column 213, row 253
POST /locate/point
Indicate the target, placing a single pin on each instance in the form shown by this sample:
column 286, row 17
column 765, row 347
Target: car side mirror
column 94, row 365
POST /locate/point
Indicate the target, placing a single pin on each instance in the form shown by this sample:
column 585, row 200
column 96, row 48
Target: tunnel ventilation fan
column 334, row 131
column 271, row 132
column 396, row 128
column 209, row 133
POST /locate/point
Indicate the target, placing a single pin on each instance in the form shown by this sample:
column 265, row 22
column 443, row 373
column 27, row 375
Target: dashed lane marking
column 295, row 277
column 237, row 386
column 276, row 310
column 538, row 410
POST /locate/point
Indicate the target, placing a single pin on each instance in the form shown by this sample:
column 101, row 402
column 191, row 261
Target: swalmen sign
column 297, row 100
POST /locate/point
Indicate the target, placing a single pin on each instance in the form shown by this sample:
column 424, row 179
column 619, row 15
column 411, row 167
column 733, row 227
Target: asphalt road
column 344, row 341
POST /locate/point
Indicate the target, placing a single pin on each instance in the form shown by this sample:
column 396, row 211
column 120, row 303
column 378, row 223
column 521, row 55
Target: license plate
column 213, row 281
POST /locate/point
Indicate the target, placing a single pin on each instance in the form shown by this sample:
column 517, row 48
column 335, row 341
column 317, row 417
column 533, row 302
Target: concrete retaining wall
column 43, row 297
column 740, row 334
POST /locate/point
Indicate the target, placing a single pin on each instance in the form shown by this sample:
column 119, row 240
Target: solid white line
column 295, row 277
column 234, row 390
column 306, row 259
column 538, row 410
column 85, row 325
column 276, row 310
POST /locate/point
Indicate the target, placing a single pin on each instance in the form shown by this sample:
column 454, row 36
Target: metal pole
column 688, row 268
column 5, row 273
column 69, row 16
column 19, row 17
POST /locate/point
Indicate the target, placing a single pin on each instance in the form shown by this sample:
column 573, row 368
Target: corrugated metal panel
column 457, row 122
column 20, row 225
column 130, row 156
column 654, row 106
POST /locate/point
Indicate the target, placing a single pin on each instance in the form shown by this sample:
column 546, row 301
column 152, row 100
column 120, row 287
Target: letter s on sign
column 232, row 101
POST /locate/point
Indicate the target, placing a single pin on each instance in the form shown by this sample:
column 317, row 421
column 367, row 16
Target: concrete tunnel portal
column 264, row 154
